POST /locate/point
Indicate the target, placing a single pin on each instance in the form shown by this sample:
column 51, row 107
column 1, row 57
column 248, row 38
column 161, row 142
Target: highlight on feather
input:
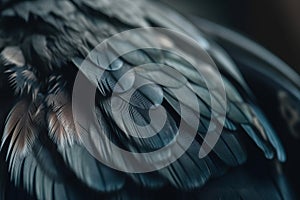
column 22, row 128
column 23, row 80
column 13, row 56
column 60, row 119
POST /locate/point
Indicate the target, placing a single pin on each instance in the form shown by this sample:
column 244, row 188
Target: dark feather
column 271, row 80
column 22, row 128
column 60, row 120
column 24, row 81
column 41, row 56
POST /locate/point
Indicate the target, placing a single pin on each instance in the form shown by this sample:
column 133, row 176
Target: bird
column 44, row 46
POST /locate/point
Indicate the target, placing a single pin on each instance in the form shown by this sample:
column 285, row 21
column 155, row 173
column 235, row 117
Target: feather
column 42, row 176
column 13, row 55
column 62, row 130
column 60, row 35
column 93, row 173
column 267, row 75
column 115, row 10
column 24, row 81
column 22, row 127
column 130, row 130
column 190, row 172
column 60, row 120
column 162, row 16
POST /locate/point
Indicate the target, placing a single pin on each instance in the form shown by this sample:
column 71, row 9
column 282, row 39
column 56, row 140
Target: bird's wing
column 51, row 55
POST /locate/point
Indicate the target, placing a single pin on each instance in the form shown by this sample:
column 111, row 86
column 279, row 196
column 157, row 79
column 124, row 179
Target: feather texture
column 22, row 128
column 42, row 56
column 60, row 120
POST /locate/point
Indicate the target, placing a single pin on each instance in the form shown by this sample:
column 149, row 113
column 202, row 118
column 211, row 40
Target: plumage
column 22, row 129
column 60, row 120
column 44, row 44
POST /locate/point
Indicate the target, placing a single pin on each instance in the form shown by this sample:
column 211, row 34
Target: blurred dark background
column 273, row 24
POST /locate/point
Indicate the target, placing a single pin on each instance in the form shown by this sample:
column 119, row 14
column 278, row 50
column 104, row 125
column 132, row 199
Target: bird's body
column 43, row 44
